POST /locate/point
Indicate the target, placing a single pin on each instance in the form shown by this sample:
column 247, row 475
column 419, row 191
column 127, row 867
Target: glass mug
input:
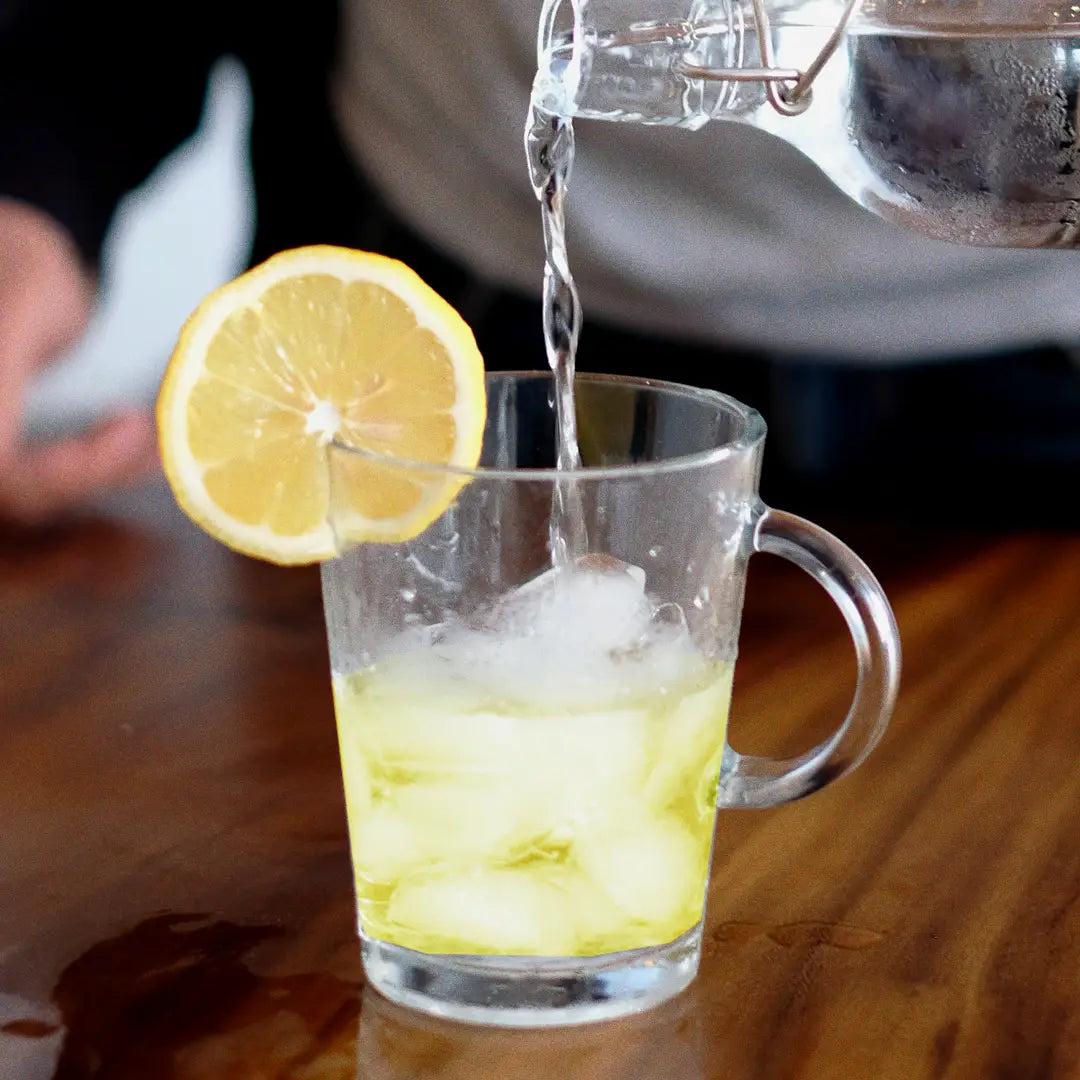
column 533, row 758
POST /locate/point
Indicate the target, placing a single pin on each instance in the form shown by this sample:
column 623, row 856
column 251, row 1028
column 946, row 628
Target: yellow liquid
column 483, row 826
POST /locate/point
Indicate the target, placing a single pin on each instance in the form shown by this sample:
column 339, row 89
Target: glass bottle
column 955, row 117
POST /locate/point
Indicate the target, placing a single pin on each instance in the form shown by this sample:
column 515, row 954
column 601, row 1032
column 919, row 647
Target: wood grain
column 175, row 897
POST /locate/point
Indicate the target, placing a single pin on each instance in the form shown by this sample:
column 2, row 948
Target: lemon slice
column 319, row 344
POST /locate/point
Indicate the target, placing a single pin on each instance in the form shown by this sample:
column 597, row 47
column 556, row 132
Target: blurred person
column 894, row 370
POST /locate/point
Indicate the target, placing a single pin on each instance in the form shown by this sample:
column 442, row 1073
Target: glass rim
column 753, row 433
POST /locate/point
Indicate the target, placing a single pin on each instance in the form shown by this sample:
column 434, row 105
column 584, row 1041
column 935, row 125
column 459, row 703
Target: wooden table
column 175, row 897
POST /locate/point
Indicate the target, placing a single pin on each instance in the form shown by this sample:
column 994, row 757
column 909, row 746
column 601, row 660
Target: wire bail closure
column 788, row 90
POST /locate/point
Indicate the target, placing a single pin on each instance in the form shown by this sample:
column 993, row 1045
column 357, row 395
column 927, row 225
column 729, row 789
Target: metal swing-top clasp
column 788, row 90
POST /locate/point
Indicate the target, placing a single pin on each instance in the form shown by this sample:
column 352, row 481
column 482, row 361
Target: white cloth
column 726, row 234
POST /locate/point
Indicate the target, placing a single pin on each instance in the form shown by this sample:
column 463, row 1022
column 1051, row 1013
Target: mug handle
column 747, row 780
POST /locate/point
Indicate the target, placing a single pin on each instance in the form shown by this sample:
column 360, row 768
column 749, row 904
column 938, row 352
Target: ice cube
column 357, row 781
column 688, row 742
column 547, row 641
column 460, row 822
column 584, row 769
column 652, row 869
column 600, row 926
column 384, row 845
column 596, row 608
column 587, row 637
column 439, row 822
column 506, row 912
column 527, row 608
column 424, row 730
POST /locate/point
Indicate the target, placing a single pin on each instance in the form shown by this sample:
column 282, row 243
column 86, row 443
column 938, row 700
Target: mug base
column 533, row 991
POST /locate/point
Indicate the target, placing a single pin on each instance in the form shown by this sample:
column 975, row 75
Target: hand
column 46, row 297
